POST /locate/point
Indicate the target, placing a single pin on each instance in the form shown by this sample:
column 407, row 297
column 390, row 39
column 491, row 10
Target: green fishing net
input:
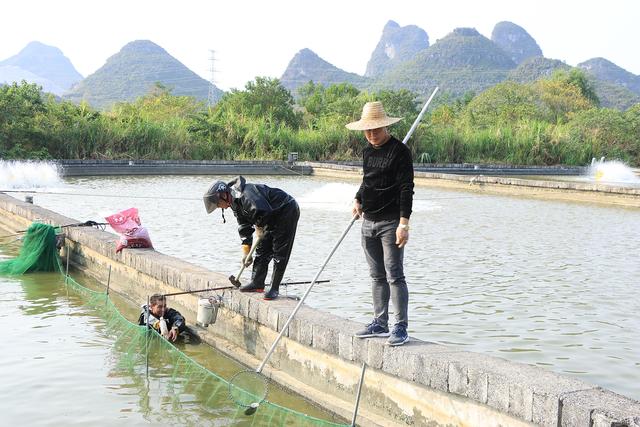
column 175, row 383
column 168, row 381
column 38, row 252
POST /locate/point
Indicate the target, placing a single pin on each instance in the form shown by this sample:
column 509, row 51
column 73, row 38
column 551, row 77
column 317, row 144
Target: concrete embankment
column 421, row 383
column 178, row 167
column 502, row 185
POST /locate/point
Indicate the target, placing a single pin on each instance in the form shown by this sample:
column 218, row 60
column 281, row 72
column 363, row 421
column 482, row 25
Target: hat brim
column 372, row 124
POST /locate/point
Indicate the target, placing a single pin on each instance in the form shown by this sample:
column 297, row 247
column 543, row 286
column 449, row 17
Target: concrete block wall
column 421, row 383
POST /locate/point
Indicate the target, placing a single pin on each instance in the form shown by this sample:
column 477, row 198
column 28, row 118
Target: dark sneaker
column 250, row 287
column 398, row 336
column 373, row 329
column 272, row 294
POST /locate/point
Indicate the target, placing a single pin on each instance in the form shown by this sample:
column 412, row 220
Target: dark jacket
column 173, row 318
column 257, row 205
column 386, row 191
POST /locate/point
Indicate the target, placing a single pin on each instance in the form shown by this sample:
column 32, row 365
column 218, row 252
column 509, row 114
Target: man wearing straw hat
column 384, row 202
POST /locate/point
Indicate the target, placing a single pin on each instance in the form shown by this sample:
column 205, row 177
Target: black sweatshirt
column 386, row 191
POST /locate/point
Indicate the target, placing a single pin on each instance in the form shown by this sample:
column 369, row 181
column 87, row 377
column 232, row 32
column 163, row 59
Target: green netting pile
column 176, row 382
column 38, row 252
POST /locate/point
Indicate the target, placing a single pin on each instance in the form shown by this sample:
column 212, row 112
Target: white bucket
column 205, row 312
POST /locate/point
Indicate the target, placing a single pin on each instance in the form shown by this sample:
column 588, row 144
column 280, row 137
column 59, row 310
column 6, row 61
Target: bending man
column 384, row 202
column 274, row 216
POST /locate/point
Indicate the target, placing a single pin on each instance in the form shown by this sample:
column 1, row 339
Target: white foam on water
column 612, row 171
column 18, row 175
column 338, row 197
column 329, row 197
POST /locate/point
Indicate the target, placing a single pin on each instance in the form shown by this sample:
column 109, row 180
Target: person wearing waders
column 384, row 202
column 272, row 213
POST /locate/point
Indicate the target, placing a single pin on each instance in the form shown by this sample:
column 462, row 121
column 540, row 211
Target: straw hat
column 373, row 117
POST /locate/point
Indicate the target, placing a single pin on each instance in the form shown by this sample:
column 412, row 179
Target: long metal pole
column 201, row 290
column 306, row 293
column 415, row 123
column 66, row 273
column 355, row 409
column 303, row 283
column 109, row 280
column 147, row 336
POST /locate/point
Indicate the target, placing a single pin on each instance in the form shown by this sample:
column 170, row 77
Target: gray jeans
column 385, row 267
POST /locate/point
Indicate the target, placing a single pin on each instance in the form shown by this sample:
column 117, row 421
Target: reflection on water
column 541, row 282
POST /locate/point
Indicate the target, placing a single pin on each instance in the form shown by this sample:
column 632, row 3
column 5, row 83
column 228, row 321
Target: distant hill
column 536, row 68
column 616, row 96
column 462, row 61
column 54, row 71
column 611, row 95
column 10, row 74
column 397, row 44
column 514, row 40
column 606, row 70
column 307, row 66
column 133, row 71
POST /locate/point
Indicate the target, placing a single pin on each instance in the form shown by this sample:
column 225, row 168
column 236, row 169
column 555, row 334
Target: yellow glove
column 246, row 258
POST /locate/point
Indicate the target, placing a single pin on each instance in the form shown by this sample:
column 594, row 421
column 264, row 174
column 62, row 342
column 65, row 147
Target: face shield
column 211, row 202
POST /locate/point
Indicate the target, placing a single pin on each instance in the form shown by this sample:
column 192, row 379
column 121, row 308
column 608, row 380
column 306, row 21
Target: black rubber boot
column 258, row 274
column 276, row 278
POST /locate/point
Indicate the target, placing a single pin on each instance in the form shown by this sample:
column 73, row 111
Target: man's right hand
column 357, row 208
column 247, row 259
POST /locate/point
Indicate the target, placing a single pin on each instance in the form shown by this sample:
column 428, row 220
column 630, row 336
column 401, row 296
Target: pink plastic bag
column 125, row 220
column 132, row 233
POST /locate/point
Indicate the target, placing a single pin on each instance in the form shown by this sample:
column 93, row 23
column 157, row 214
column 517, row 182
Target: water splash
column 338, row 197
column 612, row 172
column 330, row 197
column 28, row 174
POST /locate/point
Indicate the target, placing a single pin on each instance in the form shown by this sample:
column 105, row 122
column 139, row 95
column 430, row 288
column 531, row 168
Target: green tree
column 505, row 102
column 579, row 79
column 263, row 98
column 20, row 106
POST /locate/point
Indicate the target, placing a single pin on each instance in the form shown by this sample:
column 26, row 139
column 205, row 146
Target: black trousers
column 278, row 242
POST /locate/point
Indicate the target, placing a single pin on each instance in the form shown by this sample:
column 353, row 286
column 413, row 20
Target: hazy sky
column 260, row 37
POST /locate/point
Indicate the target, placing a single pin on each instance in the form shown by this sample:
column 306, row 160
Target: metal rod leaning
column 304, row 297
column 355, row 409
column 147, row 333
column 415, row 123
column 201, row 290
column 66, row 273
column 109, row 280
column 303, row 283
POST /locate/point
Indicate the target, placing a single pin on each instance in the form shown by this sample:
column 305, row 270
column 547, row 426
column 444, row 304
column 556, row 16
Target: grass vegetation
column 555, row 120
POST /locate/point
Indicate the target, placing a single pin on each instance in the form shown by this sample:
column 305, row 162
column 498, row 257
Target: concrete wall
column 550, row 190
column 421, row 383
column 178, row 167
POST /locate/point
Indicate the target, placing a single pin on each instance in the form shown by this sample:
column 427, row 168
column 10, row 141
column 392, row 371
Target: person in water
column 159, row 312
column 272, row 213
